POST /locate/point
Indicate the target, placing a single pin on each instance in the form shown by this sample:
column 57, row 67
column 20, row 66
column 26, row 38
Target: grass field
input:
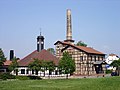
column 111, row 83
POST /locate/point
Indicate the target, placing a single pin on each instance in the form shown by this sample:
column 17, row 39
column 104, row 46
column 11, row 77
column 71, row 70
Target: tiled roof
column 112, row 54
column 85, row 49
column 89, row 50
column 7, row 62
column 43, row 55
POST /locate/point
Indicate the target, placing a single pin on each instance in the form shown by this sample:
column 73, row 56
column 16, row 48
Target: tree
column 51, row 50
column 35, row 65
column 67, row 64
column 50, row 66
column 41, row 65
column 44, row 66
column 81, row 43
column 116, row 63
column 14, row 65
column 2, row 58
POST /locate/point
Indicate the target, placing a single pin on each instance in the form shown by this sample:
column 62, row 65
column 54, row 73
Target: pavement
column 75, row 77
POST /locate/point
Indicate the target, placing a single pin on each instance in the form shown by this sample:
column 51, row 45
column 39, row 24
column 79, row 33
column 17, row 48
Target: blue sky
column 96, row 22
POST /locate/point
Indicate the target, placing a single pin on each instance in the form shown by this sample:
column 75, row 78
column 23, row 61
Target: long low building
column 42, row 55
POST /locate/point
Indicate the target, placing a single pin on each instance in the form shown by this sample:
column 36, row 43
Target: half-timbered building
column 88, row 61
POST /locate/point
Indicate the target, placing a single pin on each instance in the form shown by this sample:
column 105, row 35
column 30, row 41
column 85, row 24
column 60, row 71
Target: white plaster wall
column 40, row 73
column 110, row 59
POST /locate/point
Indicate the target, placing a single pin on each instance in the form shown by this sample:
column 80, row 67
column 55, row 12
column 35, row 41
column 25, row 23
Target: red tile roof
column 7, row 62
column 89, row 50
column 112, row 54
column 85, row 49
column 43, row 55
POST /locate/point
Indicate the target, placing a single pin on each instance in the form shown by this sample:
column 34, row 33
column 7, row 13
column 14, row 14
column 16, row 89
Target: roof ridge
column 94, row 51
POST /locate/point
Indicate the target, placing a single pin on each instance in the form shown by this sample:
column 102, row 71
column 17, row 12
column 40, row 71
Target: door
column 98, row 68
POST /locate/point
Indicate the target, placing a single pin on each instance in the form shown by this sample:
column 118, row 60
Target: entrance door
column 98, row 68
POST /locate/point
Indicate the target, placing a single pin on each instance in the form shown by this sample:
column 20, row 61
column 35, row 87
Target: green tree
column 116, row 63
column 51, row 50
column 2, row 58
column 81, row 43
column 14, row 65
column 67, row 64
column 50, row 66
column 44, row 66
column 35, row 65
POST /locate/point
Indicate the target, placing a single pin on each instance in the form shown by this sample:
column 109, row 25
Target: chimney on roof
column 40, row 42
column 11, row 54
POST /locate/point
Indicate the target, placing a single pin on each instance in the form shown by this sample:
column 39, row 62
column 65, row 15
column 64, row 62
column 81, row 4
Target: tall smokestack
column 69, row 27
column 11, row 54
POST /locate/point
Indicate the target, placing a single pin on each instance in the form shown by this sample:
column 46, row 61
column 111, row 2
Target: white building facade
column 110, row 59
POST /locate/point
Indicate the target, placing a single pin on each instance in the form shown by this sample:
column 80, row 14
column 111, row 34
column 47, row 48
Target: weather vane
column 40, row 31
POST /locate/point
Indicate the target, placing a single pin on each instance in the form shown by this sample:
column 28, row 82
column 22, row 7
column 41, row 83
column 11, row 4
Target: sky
column 95, row 22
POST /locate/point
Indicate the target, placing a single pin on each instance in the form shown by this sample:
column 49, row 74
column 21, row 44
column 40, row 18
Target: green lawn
column 110, row 83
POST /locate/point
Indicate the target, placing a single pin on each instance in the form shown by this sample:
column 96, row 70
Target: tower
column 11, row 54
column 69, row 27
column 40, row 42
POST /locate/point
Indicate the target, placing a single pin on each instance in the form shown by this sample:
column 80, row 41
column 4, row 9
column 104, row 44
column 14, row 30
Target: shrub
column 108, row 71
column 35, row 77
column 22, row 77
column 5, row 76
column 28, row 77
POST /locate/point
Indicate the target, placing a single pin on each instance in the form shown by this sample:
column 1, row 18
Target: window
column 27, row 71
column 60, row 71
column 92, row 68
column 81, row 58
column 22, row 71
column 102, row 58
column 32, row 71
column 50, row 72
column 91, row 58
column 56, row 72
column 36, row 72
column 98, row 58
column 95, row 58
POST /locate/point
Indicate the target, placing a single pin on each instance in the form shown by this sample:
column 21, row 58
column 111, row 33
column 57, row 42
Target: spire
column 40, row 31
column 69, row 27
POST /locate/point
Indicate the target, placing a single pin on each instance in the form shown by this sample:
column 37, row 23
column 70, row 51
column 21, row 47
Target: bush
column 5, row 76
column 108, row 71
column 28, row 77
column 35, row 77
column 22, row 77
